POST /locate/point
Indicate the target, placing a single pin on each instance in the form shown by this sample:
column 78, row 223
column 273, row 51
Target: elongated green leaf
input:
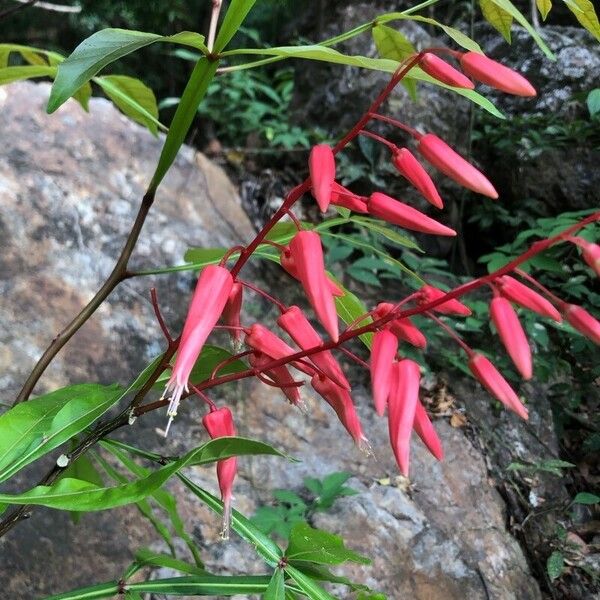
column 236, row 13
column 33, row 428
column 307, row 585
column 11, row 74
column 381, row 228
column 204, row 256
column 133, row 98
column 497, row 17
column 145, row 557
column 391, row 43
column 204, row 585
column 194, row 92
column 91, row 56
column 349, row 307
column 276, row 588
column 585, row 13
column 266, row 547
column 73, row 494
column 102, row 590
column 83, row 95
column 30, row 54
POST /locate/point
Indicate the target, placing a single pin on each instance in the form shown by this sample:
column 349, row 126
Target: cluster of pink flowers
column 395, row 379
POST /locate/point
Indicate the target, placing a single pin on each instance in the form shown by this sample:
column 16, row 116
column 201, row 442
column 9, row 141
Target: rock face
column 69, row 186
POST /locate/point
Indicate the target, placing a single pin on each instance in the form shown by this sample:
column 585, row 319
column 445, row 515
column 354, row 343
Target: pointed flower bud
column 287, row 262
column 307, row 254
column 231, row 312
column 209, row 299
column 583, row 321
column 340, row 400
column 280, row 376
column 219, row 423
column 265, row 341
column 402, row 405
column 411, row 168
column 341, row 196
column 298, row 327
column 452, row 164
column 590, row 252
column 495, row 384
column 428, row 294
column 321, row 165
column 398, row 213
column 496, row 75
column 512, row 335
column 404, row 329
column 425, row 430
column 383, row 353
column 524, row 296
column 439, row 69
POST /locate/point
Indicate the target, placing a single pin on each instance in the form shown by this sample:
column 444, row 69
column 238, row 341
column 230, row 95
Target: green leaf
column 102, row 590
column 593, row 102
column 11, row 74
column 555, row 565
column 390, row 43
column 497, row 17
column 276, row 588
column 585, row 13
column 83, row 95
column 387, row 232
column 188, row 38
column 204, row 256
column 133, row 98
column 315, row 545
column 194, row 92
column 33, row 428
column 234, row 17
column 145, row 557
column 349, row 307
column 73, row 494
column 91, row 56
column 586, row 498
column 544, row 6
column 307, row 585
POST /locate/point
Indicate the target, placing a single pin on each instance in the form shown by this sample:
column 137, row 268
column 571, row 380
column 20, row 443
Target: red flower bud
column 402, row 405
column 590, row 252
column 343, row 197
column 442, row 71
column 231, row 312
column 403, row 329
column 495, row 384
column 307, row 254
column 339, row 399
column 524, row 296
column 398, row 213
column 411, row 168
column 297, row 326
column 428, row 294
column 442, row 157
column 321, row 165
column 580, row 319
column 383, row 353
column 495, row 75
column 427, row 432
column 219, row 423
column 287, row 262
column 280, row 376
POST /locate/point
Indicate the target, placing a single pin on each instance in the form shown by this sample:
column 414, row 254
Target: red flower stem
column 353, row 356
column 450, row 332
column 159, row 317
column 540, row 287
column 294, row 218
column 259, row 373
column 397, row 124
column 280, row 305
column 407, row 299
column 357, row 321
column 379, row 139
column 204, row 397
column 231, row 328
column 228, row 254
column 279, row 247
column 227, row 361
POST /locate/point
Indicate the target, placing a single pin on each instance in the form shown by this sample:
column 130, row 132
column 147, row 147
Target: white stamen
column 173, row 404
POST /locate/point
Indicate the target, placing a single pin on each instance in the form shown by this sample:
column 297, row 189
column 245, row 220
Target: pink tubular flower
column 231, row 312
column 427, row 432
column 452, row 164
column 321, row 165
column 287, row 262
column 580, row 319
column 298, row 327
column 442, row 71
column 411, row 168
column 307, row 254
column 589, row 251
column 404, row 329
column 341, row 196
column 495, row 384
column 209, row 299
column 496, row 75
column 339, row 399
column 428, row 294
column 402, row 405
column 280, row 376
column 398, row 213
column 265, row 341
column 524, row 296
column 219, row 423
column 512, row 335
column 383, row 353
